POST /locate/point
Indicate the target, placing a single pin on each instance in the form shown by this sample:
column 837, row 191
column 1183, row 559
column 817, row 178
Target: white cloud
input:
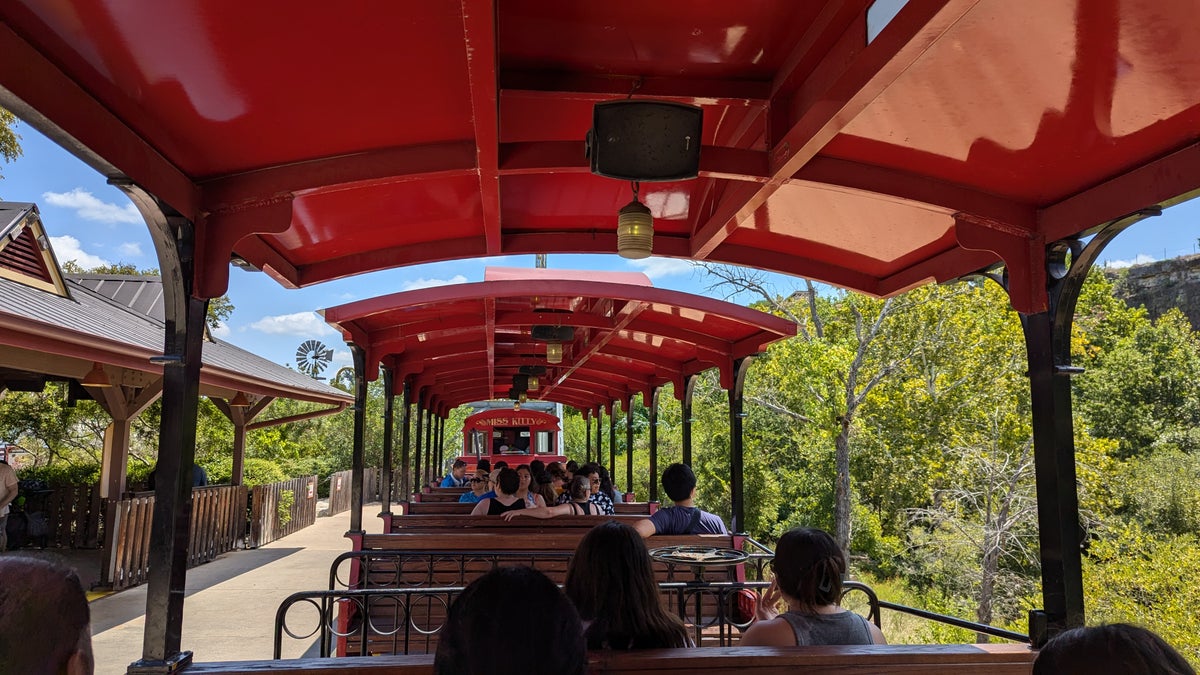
column 1140, row 259
column 300, row 324
column 67, row 248
column 342, row 357
column 430, row 283
column 130, row 248
column 657, row 268
column 88, row 207
column 221, row 331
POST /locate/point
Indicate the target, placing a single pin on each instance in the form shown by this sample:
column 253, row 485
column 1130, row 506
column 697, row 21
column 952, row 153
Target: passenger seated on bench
column 543, row 484
column 457, row 476
column 475, row 642
column 597, row 495
column 611, row 581
column 577, row 506
column 1118, row 648
column 479, row 487
column 684, row 517
column 809, row 567
column 532, row 499
column 44, row 619
column 606, row 485
column 506, row 498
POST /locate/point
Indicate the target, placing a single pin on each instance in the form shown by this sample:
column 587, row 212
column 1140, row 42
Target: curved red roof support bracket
column 220, row 231
column 1023, row 253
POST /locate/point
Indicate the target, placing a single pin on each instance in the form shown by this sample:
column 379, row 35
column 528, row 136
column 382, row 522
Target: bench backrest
column 449, row 508
column 432, row 524
column 1000, row 659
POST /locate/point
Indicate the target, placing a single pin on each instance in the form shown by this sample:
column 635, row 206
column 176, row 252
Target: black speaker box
column 645, row 141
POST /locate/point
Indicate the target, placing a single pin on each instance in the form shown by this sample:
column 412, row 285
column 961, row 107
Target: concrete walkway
column 229, row 610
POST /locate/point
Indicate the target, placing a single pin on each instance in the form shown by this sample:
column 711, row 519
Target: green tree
column 10, row 140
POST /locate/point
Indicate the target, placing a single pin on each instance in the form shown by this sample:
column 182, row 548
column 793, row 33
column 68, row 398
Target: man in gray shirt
column 684, row 517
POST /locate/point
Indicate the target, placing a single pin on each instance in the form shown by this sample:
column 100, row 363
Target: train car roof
column 466, row 342
column 841, row 143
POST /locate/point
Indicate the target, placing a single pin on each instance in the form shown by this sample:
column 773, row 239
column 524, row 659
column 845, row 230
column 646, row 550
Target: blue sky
column 93, row 223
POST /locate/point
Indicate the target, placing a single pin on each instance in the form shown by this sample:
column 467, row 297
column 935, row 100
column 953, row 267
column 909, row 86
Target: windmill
column 312, row 357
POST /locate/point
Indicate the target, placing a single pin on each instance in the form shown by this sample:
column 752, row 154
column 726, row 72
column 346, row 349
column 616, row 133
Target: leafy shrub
column 283, row 510
column 63, row 474
column 255, row 471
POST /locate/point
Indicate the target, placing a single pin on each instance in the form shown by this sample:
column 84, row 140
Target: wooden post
column 385, row 492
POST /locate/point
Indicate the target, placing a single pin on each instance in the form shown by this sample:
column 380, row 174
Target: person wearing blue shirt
column 479, row 486
column 457, row 475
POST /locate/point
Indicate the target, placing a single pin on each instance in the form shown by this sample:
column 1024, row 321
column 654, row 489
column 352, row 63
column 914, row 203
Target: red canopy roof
column 318, row 142
column 465, row 342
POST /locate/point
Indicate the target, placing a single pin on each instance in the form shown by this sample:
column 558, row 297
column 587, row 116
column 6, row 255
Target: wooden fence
column 218, row 521
column 339, row 489
column 218, row 525
column 72, row 516
column 271, row 515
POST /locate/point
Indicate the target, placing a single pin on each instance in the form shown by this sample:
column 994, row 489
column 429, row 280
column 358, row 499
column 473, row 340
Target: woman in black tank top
column 506, row 500
column 579, row 489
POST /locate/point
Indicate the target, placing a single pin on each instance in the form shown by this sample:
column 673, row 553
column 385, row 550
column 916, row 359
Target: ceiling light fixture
column 239, row 400
column 96, row 377
column 554, row 352
column 532, row 382
column 635, row 229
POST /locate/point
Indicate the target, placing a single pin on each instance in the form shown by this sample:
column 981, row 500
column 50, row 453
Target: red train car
column 516, row 436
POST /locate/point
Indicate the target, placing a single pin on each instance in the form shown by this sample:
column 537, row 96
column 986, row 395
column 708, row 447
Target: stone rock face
column 1161, row 285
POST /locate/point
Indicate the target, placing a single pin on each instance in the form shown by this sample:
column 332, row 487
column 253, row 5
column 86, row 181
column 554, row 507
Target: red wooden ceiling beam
column 623, row 318
column 38, row 92
column 489, row 334
column 479, row 36
column 841, row 86
column 542, row 157
column 560, row 86
column 389, row 257
column 909, row 188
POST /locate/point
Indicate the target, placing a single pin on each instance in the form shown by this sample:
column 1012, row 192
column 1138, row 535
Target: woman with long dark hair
column 611, row 581
column 809, row 567
column 475, row 642
column 578, row 505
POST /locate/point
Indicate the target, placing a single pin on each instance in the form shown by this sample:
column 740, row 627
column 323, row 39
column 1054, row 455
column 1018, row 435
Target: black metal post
column 689, row 388
column 417, row 484
column 429, row 458
column 357, row 463
column 1048, row 348
column 388, row 398
column 737, row 500
column 629, row 444
column 441, row 442
column 599, row 436
column 653, row 445
column 587, row 435
column 184, row 315
column 612, row 442
column 406, row 444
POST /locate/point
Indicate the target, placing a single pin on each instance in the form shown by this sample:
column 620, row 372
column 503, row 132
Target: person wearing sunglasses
column 479, row 487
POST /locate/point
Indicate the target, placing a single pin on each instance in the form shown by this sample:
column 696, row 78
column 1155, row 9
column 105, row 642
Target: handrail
column 757, row 559
column 958, row 623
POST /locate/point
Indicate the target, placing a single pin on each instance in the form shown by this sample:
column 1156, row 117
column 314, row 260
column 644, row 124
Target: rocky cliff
column 1162, row 285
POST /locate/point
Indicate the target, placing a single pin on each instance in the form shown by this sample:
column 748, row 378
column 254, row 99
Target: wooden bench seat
column 463, row 508
column 440, row 559
column 1000, row 659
